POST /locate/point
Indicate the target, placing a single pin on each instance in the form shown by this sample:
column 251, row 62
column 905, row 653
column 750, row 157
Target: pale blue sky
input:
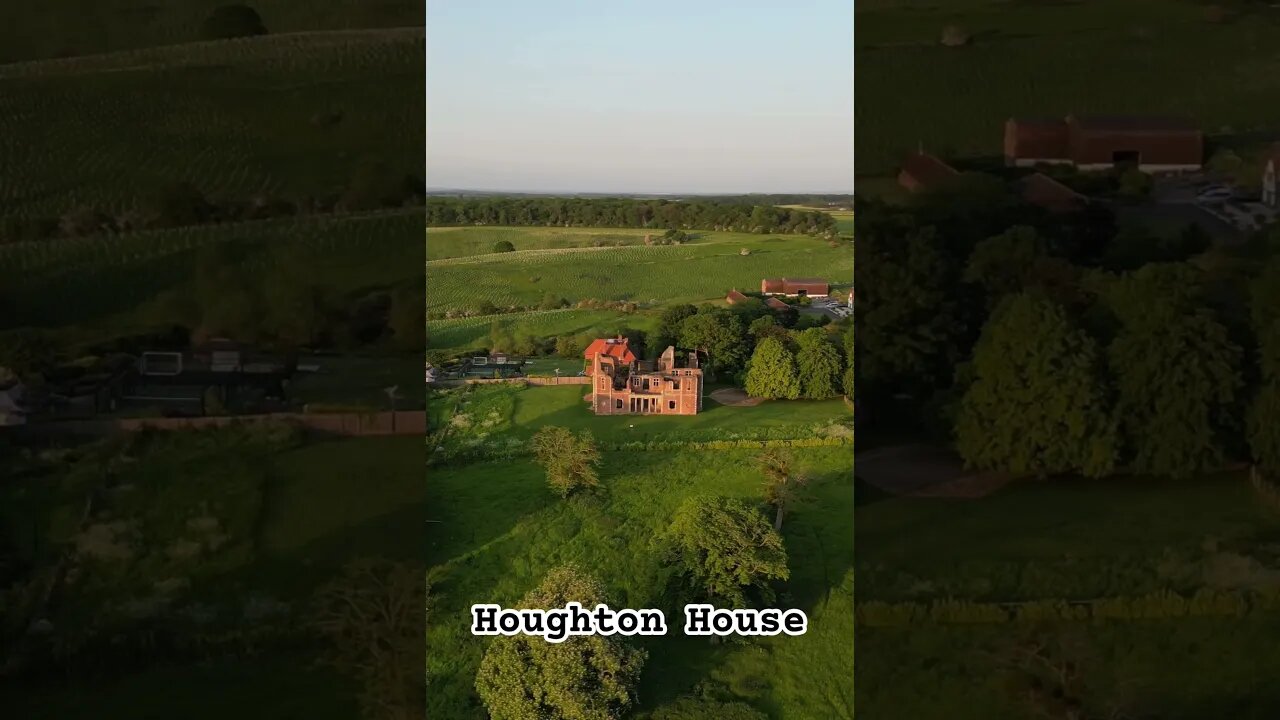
column 632, row 96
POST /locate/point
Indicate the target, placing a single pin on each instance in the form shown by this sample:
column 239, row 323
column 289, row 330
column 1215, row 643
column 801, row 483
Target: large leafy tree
column 668, row 332
column 1001, row 265
column 1178, row 374
column 783, row 482
column 586, row 677
column 772, row 372
column 1037, row 403
column 722, row 548
column 818, row 365
column 571, row 461
column 721, row 333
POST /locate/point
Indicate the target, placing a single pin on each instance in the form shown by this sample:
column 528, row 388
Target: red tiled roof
column 771, row 285
column 776, row 304
column 1037, row 139
column 612, row 347
column 1042, row 190
column 922, row 170
column 735, row 297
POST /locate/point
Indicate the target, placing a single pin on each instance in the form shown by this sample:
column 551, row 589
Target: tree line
column 626, row 213
column 1045, row 347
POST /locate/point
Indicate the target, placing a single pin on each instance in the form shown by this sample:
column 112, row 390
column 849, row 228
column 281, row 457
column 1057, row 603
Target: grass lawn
column 547, row 366
column 452, row 242
column 1078, row 539
column 501, row 529
column 457, row 334
column 509, row 414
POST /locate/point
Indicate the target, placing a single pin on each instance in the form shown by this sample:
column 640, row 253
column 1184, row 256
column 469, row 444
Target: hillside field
column 1045, row 59
column 497, row 530
column 1071, row 540
column 278, row 115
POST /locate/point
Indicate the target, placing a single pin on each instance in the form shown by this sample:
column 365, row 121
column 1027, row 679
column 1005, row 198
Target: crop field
column 451, row 242
column 501, row 529
column 702, row 270
column 462, row 333
column 79, row 280
column 237, row 119
column 58, row 28
column 1045, row 59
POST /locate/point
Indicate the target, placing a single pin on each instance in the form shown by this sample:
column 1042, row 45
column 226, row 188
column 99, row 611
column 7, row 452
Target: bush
column 954, row 36
column 232, row 21
column 503, row 246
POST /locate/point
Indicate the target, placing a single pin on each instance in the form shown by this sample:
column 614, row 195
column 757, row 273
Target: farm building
column 1103, row 142
column 1045, row 192
column 922, row 171
column 795, row 287
column 734, row 297
column 1271, row 178
column 623, row 385
column 776, row 304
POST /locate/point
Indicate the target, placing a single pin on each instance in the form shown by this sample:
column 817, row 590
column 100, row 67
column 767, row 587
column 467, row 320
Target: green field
column 85, row 281
column 238, row 119
column 1046, row 58
column 1072, row 540
column 293, row 518
column 703, row 270
column 462, row 333
column 452, row 242
column 501, row 529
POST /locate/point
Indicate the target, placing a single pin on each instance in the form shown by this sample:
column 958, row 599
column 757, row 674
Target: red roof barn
column 922, row 171
column 1153, row 144
column 776, row 304
column 812, row 287
column 734, row 297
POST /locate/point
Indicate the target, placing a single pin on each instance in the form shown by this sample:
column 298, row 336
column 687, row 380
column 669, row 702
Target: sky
column 631, row 96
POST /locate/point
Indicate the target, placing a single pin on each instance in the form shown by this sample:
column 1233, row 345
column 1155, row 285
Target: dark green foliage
column 1038, row 402
column 586, row 677
column 503, row 246
column 693, row 708
column 721, row 333
column 232, row 21
column 180, row 204
column 1178, row 373
column 721, row 548
column 584, row 212
column 669, row 321
column 818, row 365
column 1002, row 264
column 772, row 374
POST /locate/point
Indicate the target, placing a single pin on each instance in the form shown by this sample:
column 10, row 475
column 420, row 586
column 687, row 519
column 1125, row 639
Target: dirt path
column 733, row 397
column 924, row 471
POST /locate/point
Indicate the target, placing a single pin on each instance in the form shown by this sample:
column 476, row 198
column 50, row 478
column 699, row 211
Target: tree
column 721, row 333
column 501, row 339
column 818, row 365
column 721, row 548
column 586, row 677
column 1177, row 371
column 766, row 327
column 373, row 615
column 1001, row 265
column 503, row 246
column 232, row 21
column 551, row 301
column 571, row 461
column 669, row 321
column 1038, row 403
column 771, row 374
column 783, row 482
column 570, row 346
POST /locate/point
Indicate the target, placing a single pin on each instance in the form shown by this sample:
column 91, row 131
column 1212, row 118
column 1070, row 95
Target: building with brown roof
column 734, row 297
column 922, row 171
column 776, row 304
column 795, row 287
column 1045, row 192
column 622, row 385
column 1151, row 144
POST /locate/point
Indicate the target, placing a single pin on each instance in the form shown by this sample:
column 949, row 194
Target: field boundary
column 400, row 422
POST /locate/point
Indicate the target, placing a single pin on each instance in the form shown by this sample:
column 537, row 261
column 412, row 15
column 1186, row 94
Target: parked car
column 1215, row 194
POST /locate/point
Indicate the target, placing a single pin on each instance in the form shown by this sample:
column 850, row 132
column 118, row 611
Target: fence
column 531, row 381
column 401, row 422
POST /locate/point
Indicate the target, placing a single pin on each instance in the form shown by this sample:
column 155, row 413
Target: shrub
column 503, row 246
column 232, row 21
column 954, row 36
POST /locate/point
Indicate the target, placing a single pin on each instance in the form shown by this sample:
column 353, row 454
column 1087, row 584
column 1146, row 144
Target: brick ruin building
column 623, row 385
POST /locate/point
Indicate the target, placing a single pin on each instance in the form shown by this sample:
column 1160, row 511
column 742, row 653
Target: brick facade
column 621, row 386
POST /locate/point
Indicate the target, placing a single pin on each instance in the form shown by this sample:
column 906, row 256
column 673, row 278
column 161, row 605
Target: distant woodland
column 620, row 213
